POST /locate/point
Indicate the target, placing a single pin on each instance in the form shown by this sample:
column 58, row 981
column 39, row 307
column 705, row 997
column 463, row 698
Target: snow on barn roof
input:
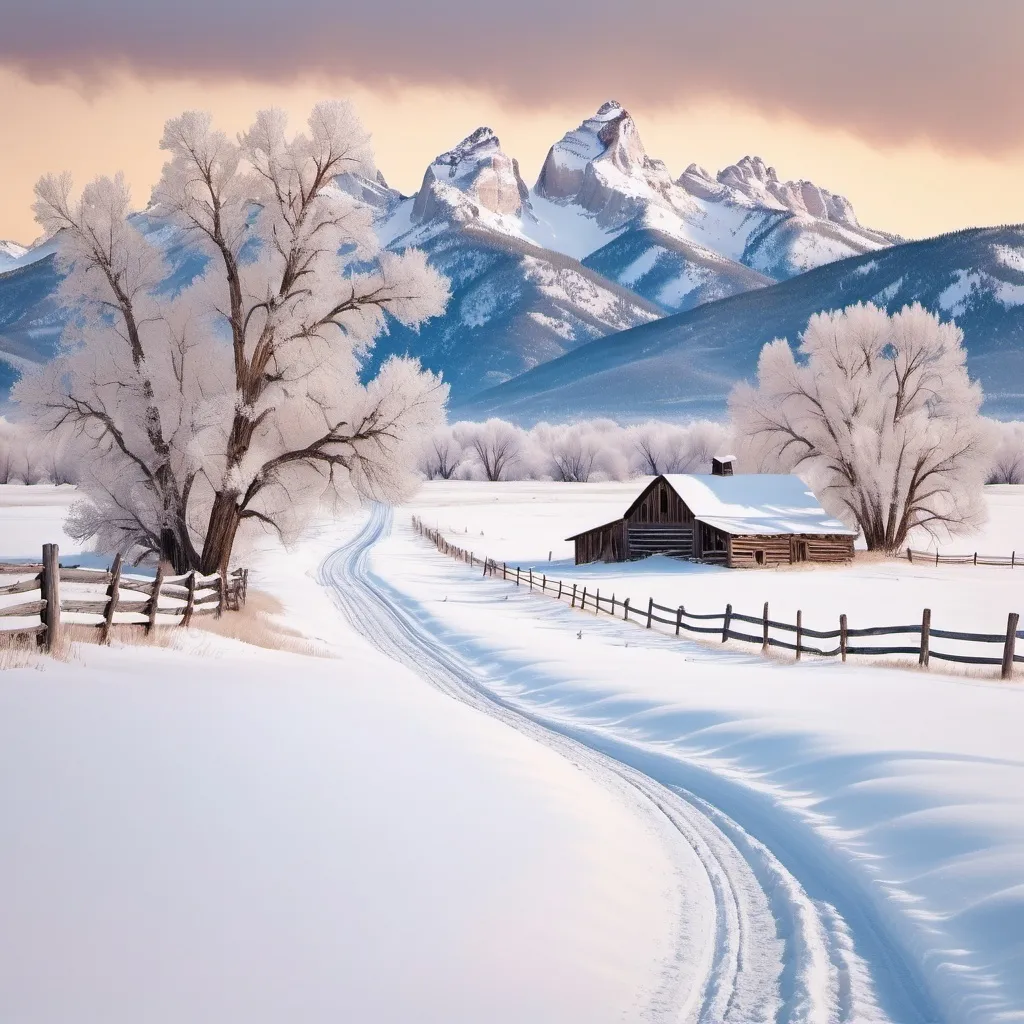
column 759, row 504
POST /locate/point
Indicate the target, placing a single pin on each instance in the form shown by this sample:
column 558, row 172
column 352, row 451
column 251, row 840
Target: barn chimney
column 721, row 465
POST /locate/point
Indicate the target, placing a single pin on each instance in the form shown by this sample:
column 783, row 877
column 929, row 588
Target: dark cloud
column 888, row 70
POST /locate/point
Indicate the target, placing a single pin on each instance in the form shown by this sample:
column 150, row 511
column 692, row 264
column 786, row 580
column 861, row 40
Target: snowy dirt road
column 771, row 925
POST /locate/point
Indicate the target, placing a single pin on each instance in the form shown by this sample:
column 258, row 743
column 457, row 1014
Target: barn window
column 759, row 557
column 664, row 502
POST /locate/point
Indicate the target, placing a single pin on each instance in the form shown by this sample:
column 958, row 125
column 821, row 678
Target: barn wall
column 607, row 543
column 782, row 550
column 651, row 509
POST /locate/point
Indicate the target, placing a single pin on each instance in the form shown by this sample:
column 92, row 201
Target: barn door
column 797, row 550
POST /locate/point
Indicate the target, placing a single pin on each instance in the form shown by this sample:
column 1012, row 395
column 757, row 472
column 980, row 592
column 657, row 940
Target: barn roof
column 755, row 504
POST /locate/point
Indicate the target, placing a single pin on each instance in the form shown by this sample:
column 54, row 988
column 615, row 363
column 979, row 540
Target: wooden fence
column 721, row 625
column 934, row 558
column 109, row 597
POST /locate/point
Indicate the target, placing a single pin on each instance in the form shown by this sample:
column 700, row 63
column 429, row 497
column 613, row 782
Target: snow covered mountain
column 604, row 241
column 684, row 365
column 10, row 253
column 515, row 303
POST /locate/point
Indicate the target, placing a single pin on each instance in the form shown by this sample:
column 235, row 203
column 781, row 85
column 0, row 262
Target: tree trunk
column 220, row 533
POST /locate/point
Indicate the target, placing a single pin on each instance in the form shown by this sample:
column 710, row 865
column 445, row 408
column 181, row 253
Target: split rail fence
column 110, row 597
column 722, row 625
column 934, row 558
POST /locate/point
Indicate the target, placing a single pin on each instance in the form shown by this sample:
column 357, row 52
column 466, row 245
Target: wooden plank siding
column 660, row 522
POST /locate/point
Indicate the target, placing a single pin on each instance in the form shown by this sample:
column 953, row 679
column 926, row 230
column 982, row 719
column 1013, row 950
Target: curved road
column 769, row 926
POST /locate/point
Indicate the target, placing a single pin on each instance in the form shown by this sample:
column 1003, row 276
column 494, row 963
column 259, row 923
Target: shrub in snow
column 1008, row 463
column 26, row 457
column 496, row 447
column 235, row 399
column 441, row 455
column 880, row 416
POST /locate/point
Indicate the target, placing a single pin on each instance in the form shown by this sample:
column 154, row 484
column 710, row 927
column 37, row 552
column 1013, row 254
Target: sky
column 911, row 109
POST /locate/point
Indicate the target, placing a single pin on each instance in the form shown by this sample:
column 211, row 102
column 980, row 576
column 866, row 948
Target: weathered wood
column 583, row 603
column 573, row 604
column 799, row 631
column 531, row 580
column 74, row 606
column 223, row 595
column 764, row 635
column 926, row 631
column 25, row 587
column 1009, row 645
column 50, row 587
column 544, row 584
column 726, row 622
column 190, row 600
column 843, row 637
column 597, row 602
column 19, row 632
column 650, row 611
column 154, row 601
column 517, row 575
column 99, row 576
column 25, row 608
column 113, row 595
column 625, row 610
column 559, row 590
column 679, row 619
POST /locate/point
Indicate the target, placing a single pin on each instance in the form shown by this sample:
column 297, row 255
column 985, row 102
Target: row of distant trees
column 203, row 397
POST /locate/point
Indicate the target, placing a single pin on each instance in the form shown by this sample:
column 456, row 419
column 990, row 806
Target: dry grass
column 256, row 624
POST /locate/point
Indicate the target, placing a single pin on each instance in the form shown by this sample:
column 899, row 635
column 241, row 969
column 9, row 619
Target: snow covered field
column 522, row 522
column 219, row 833
column 667, row 832
column 880, row 792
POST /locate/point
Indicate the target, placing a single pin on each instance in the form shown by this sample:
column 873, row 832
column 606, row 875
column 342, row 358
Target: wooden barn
column 744, row 520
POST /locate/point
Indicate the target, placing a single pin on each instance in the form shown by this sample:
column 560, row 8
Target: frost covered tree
column 236, row 398
column 672, row 448
column 880, row 415
column 442, row 455
column 1008, row 463
column 497, row 445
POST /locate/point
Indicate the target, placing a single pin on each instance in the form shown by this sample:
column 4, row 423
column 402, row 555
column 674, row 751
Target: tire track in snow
column 772, row 953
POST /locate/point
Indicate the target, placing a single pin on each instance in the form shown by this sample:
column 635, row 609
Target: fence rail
column 101, row 594
column 934, row 558
column 680, row 620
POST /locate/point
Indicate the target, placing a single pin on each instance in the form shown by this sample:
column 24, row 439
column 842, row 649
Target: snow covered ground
column 218, row 833
column 881, row 792
column 605, row 824
column 523, row 522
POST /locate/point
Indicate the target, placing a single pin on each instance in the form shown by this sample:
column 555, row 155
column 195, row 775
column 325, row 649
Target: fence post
column 504, row 571
column 910, row 556
column 559, row 590
column 573, row 605
column 223, row 596
column 597, row 602
column 517, row 575
column 726, row 623
column 650, row 611
column 625, row 610
column 764, row 630
column 975, row 557
column 613, row 604
column 154, row 600
column 190, row 601
column 799, row 631
column 49, row 585
column 936, row 557
column 1011, row 643
column 583, row 603
column 842, row 636
column 485, row 567
column 544, row 583
column 926, row 633
column 679, row 619
column 112, row 595
column 531, row 581
column 1013, row 559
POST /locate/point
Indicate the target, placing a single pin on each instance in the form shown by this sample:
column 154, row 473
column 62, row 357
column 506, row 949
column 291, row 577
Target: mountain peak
column 474, row 174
